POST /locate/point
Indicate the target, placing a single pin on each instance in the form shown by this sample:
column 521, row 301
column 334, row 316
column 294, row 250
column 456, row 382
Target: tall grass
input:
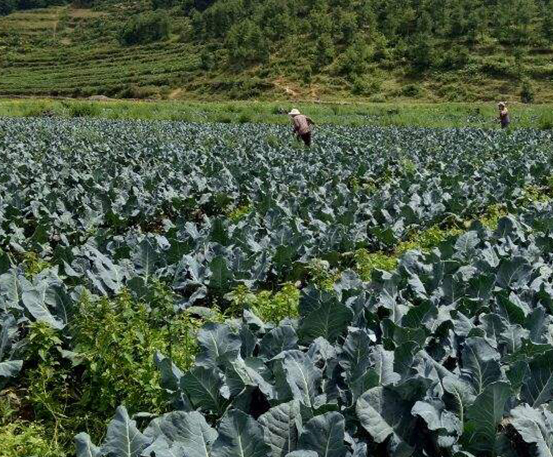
column 443, row 115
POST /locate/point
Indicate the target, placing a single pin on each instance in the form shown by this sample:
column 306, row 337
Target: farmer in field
column 504, row 118
column 302, row 126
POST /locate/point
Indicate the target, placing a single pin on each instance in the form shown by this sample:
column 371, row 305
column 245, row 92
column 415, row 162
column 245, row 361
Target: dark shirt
column 504, row 117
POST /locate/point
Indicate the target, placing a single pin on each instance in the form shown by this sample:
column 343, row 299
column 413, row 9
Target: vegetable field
column 172, row 289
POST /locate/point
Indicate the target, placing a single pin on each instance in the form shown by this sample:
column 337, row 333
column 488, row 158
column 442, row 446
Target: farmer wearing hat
column 504, row 118
column 302, row 126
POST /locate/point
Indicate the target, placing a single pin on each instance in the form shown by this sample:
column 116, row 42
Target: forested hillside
column 379, row 49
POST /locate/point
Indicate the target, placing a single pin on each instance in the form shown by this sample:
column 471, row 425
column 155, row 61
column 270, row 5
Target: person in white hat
column 504, row 118
column 302, row 126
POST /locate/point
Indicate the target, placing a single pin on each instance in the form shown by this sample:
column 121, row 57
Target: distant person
column 504, row 117
column 302, row 126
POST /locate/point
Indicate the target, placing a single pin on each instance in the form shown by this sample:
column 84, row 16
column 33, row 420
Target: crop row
column 302, row 204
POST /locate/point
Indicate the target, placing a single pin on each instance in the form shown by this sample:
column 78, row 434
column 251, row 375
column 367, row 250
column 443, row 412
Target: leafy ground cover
column 384, row 292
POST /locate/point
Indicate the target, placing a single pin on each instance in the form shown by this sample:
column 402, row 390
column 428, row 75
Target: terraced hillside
column 71, row 52
column 76, row 52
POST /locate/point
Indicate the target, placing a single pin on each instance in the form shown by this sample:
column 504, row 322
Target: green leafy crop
column 385, row 292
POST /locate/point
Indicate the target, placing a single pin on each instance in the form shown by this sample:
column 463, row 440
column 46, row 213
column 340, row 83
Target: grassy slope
column 480, row 115
column 74, row 52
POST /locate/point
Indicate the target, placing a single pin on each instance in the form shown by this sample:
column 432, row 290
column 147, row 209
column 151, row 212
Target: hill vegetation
column 380, row 50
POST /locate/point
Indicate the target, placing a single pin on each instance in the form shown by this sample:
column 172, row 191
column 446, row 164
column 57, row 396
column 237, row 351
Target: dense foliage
column 8, row 6
column 145, row 28
column 452, row 353
column 120, row 240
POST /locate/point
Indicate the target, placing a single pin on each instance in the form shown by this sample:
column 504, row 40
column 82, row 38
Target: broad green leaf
column 280, row 428
column 537, row 388
column 356, row 361
column 202, row 385
column 383, row 365
column 218, row 345
column 240, row 436
column 462, row 393
column 355, row 352
column 84, row 446
column 466, row 244
column 123, row 439
column 535, row 426
column 146, row 258
column 282, row 338
column 484, row 416
column 10, row 289
column 186, row 431
column 324, row 434
column 384, row 415
column 10, row 368
column 513, row 273
column 8, row 332
column 444, row 424
column 221, row 277
column 480, row 364
column 36, row 303
column 251, row 372
column 302, row 376
column 329, row 321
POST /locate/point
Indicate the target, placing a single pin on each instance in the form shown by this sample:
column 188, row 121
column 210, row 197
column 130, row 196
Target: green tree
column 353, row 62
column 346, row 25
column 6, row 7
column 30, row 4
column 424, row 23
column 457, row 19
column 547, row 21
column 325, row 50
column 145, row 28
column 276, row 19
column 247, row 44
column 421, row 53
column 220, row 17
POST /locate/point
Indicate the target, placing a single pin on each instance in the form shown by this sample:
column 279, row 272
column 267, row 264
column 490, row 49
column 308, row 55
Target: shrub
column 268, row 306
column 353, row 61
column 411, row 90
column 244, row 118
column 378, row 98
column 527, row 92
column 112, row 343
column 21, row 439
column 145, row 28
column 455, row 92
column 499, row 67
column 546, row 121
column 36, row 109
column 457, row 57
column 366, row 85
column 325, row 52
column 367, row 262
column 134, row 91
column 421, row 53
column 84, row 110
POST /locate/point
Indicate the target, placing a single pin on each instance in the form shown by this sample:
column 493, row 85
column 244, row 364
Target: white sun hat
column 294, row 112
